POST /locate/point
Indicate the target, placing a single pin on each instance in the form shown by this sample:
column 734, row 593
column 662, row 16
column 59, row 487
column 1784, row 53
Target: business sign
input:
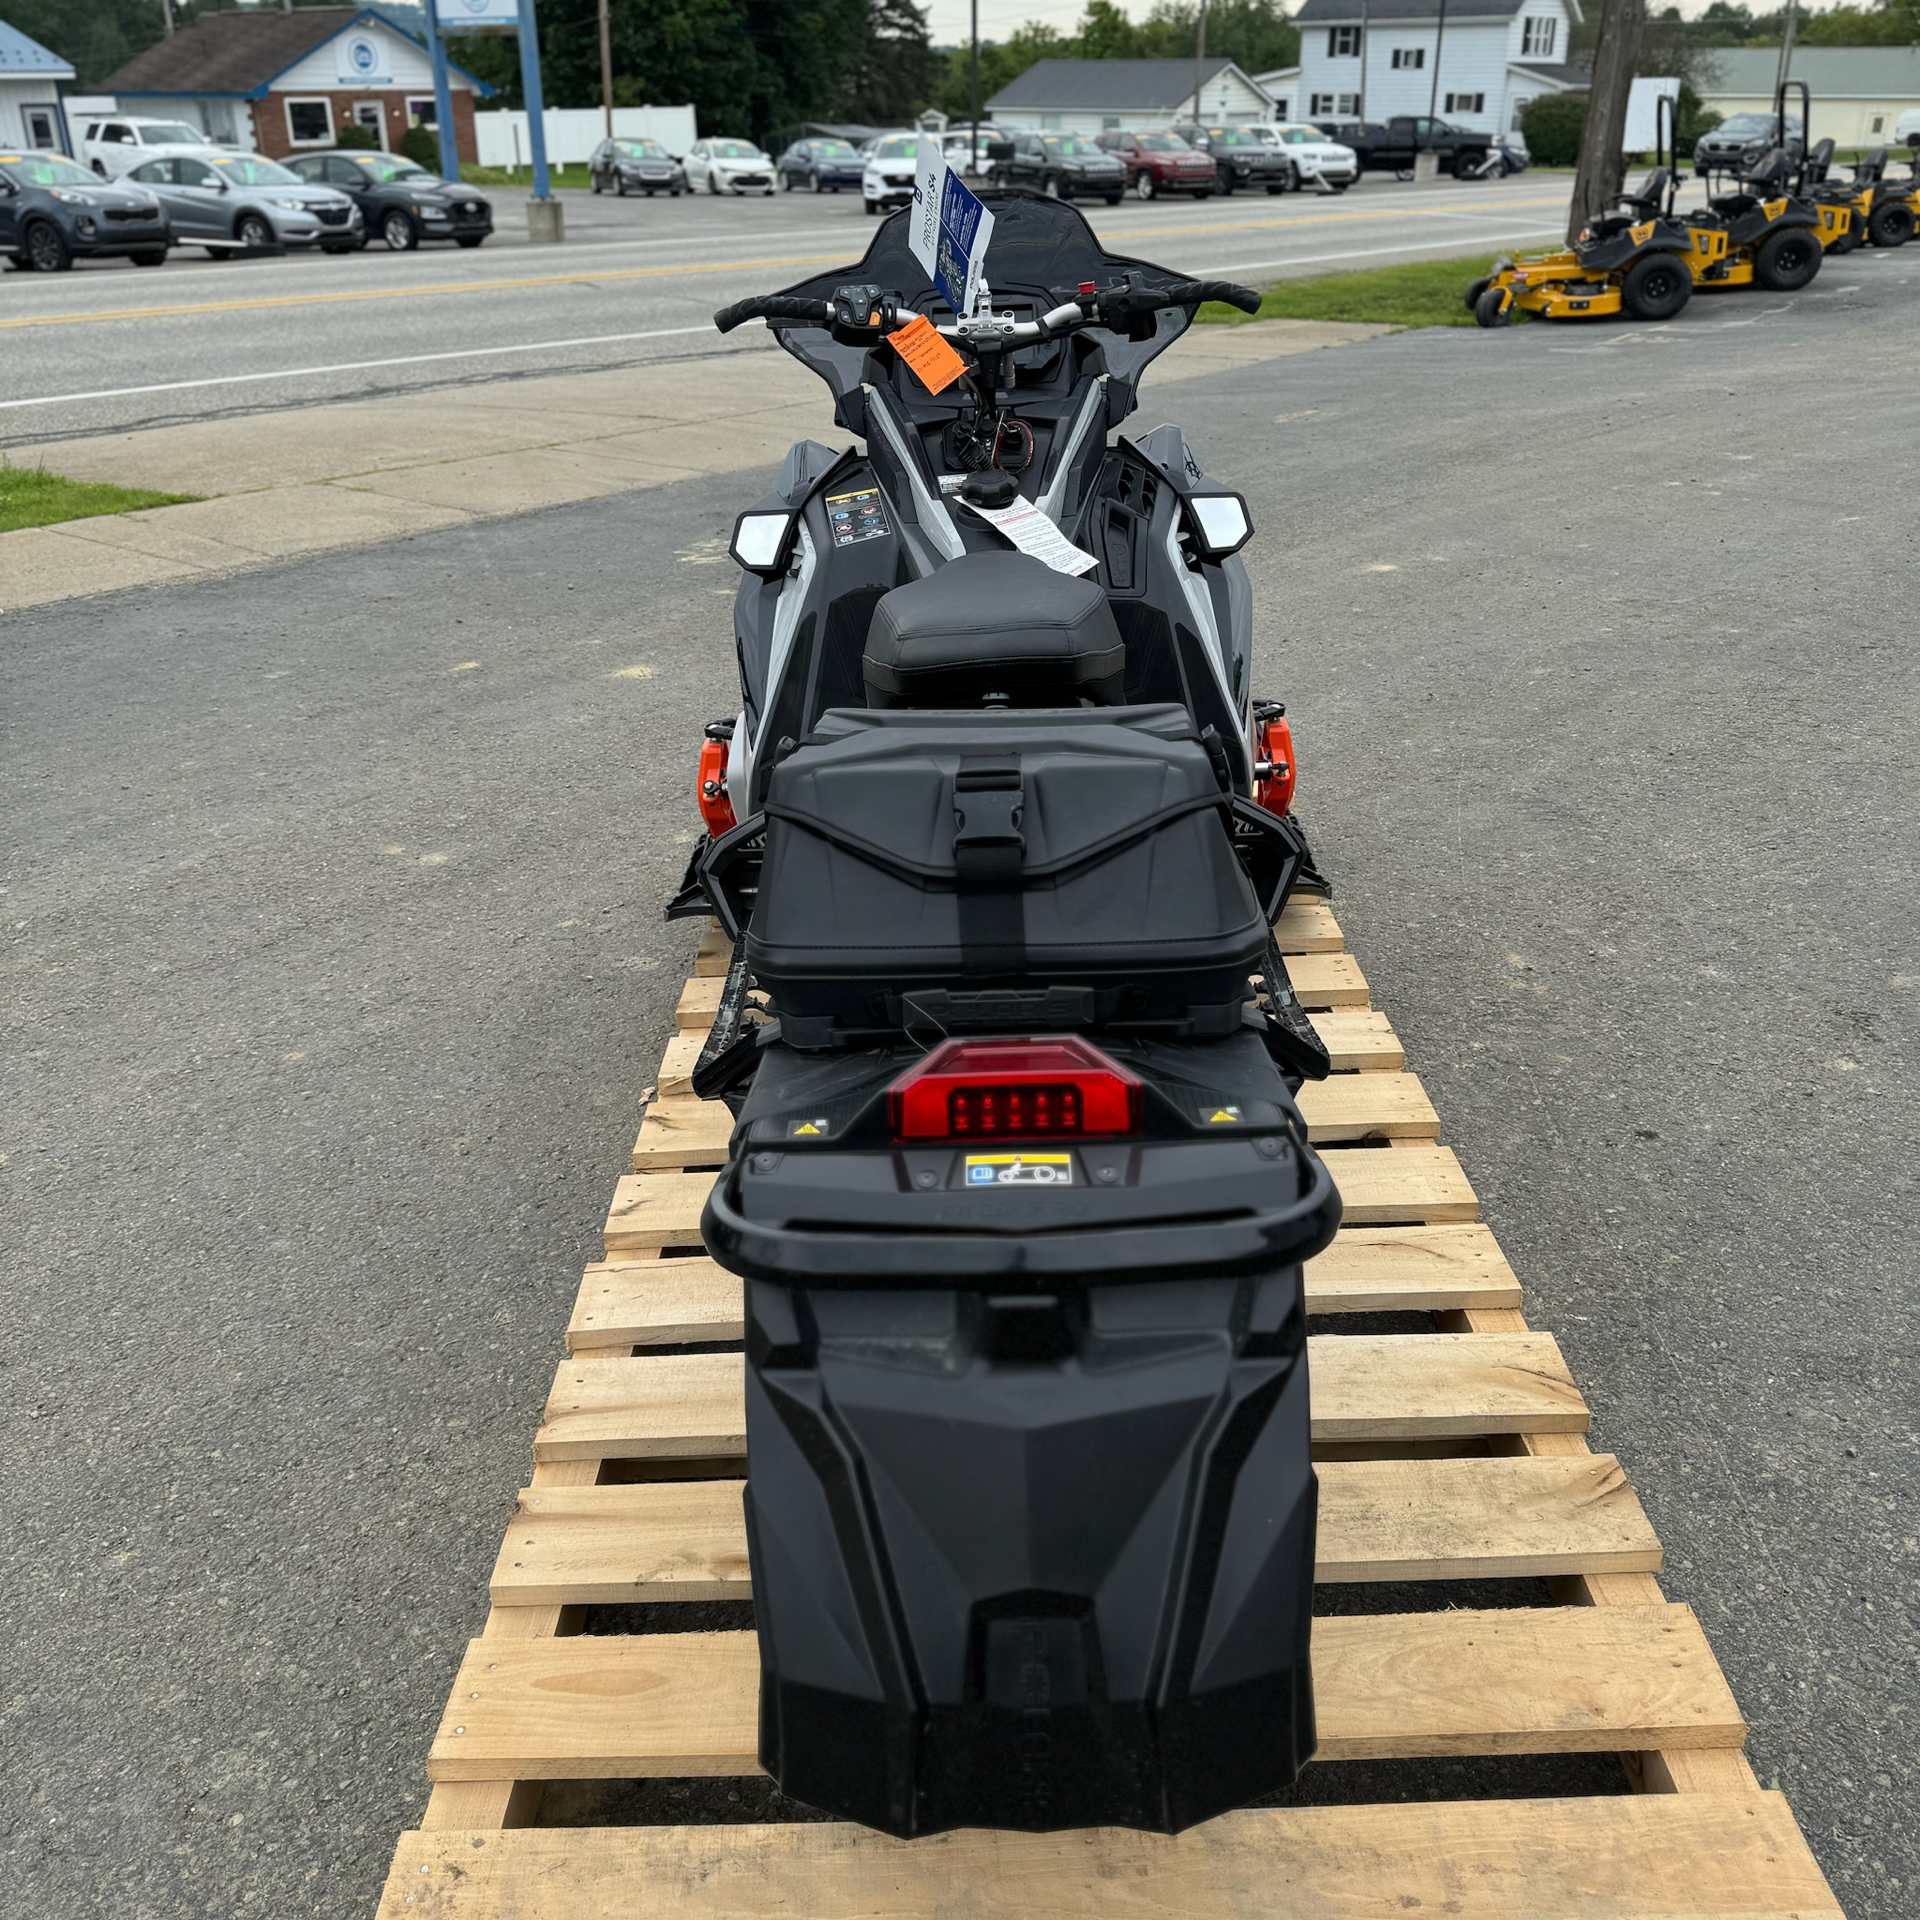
column 452, row 16
column 949, row 229
column 364, row 62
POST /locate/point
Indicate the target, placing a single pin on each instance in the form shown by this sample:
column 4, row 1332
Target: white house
column 1091, row 96
column 1474, row 62
column 30, row 82
column 1858, row 92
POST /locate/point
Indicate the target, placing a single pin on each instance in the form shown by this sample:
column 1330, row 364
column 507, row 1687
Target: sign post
column 546, row 221
column 950, row 229
column 442, row 101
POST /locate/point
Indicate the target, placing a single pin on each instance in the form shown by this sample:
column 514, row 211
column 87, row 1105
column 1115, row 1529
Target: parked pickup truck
column 1389, row 147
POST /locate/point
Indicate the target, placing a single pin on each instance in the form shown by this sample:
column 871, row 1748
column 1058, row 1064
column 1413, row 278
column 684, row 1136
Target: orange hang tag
column 935, row 364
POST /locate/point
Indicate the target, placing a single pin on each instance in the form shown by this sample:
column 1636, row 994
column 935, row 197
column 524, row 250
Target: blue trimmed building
column 30, row 81
column 282, row 82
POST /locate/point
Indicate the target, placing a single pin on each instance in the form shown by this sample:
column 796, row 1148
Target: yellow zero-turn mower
column 1635, row 259
column 1885, row 212
column 1776, row 235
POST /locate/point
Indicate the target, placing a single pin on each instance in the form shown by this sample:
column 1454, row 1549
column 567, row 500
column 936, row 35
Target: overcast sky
column 998, row 18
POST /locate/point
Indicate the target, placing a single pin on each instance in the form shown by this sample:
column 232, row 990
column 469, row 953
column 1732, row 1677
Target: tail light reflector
column 1039, row 1089
column 710, row 790
column 1273, row 769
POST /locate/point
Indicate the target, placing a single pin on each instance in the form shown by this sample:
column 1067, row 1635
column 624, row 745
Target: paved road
column 111, row 347
column 334, row 968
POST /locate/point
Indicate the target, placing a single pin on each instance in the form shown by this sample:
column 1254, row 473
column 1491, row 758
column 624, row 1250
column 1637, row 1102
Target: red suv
column 1159, row 163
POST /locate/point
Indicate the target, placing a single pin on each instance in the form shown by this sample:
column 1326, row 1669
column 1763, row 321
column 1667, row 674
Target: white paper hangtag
column 1032, row 532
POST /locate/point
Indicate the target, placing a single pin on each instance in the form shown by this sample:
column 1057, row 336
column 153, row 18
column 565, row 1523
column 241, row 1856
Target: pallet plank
column 679, row 1130
column 1420, row 1181
column 1307, row 926
column 677, row 1064
column 1379, row 1520
column 1323, row 980
column 1359, row 1040
column 655, row 1303
column 1513, row 1680
column 1365, row 1387
column 1642, row 1858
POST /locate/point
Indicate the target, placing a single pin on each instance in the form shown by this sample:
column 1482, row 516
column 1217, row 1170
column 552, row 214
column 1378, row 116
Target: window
column 1349, row 103
column 1466, row 103
column 1879, row 123
column 1539, row 37
column 1109, row 122
column 1320, row 105
column 1283, row 106
column 1409, row 56
column 421, row 112
column 1050, row 121
column 115, row 132
column 310, row 123
column 196, row 173
column 1343, row 43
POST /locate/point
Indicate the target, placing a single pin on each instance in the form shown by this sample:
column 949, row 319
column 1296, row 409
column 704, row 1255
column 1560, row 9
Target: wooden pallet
column 1450, row 1455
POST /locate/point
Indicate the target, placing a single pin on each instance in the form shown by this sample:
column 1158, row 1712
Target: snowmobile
column 1017, row 1186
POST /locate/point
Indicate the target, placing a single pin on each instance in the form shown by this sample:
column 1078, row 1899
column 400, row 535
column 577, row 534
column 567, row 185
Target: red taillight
column 710, row 791
column 1273, row 770
column 1013, row 1090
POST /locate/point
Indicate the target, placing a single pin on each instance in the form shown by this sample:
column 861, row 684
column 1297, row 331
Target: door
column 355, row 184
column 372, row 116
column 43, row 128
column 697, row 164
column 197, row 200
column 9, row 215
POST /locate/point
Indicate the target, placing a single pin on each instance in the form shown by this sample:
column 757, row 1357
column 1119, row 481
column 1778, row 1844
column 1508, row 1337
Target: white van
column 114, row 143
column 1906, row 130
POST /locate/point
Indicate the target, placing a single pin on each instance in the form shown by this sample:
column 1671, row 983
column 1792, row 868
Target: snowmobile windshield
column 1042, row 251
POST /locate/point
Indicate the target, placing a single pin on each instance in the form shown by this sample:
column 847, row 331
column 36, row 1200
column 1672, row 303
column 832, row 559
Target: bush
column 422, row 146
column 1690, row 121
column 353, row 134
column 1552, row 123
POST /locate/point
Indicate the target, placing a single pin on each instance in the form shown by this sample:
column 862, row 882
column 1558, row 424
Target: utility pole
column 1199, row 55
column 606, row 67
column 1439, row 42
column 973, row 94
column 1786, row 62
column 1366, row 25
column 166, row 14
column 1602, row 160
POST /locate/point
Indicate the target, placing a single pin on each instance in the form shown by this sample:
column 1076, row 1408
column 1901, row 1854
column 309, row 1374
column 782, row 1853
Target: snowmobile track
column 1445, row 1456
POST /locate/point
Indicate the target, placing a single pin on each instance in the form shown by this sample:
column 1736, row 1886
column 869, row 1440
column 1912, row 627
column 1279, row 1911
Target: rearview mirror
column 999, row 149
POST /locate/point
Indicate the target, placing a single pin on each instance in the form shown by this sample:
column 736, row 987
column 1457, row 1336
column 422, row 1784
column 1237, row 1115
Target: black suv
column 1063, row 166
column 400, row 203
column 635, row 166
column 1241, row 158
column 1742, row 140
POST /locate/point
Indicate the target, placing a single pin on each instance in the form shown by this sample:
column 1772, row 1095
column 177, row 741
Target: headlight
column 289, row 206
column 70, row 197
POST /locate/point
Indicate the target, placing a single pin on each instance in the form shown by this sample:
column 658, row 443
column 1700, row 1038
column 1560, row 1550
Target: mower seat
column 1768, row 181
column 1872, row 169
column 1634, row 207
column 1818, row 160
column 1000, row 624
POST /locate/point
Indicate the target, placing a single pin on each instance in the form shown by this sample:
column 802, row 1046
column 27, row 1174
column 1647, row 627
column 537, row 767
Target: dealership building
column 284, row 82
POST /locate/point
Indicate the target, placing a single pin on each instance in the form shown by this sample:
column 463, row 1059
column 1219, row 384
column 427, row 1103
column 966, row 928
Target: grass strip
column 33, row 497
column 1424, row 293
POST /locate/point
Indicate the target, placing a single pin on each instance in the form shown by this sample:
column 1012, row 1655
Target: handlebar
column 771, row 306
column 1122, row 307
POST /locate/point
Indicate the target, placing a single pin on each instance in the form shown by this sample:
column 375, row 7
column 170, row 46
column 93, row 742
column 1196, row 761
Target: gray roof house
column 1858, row 92
column 30, row 81
column 1087, row 96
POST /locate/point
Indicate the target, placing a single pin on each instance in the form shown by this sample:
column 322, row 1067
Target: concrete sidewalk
column 301, row 481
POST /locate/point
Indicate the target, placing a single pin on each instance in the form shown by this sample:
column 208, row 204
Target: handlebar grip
column 1190, row 293
column 771, row 306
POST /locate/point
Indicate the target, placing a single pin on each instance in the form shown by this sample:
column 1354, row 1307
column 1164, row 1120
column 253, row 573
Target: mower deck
column 1451, row 1455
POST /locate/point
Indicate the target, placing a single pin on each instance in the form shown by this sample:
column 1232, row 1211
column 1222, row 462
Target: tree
column 1001, row 63
column 1255, row 34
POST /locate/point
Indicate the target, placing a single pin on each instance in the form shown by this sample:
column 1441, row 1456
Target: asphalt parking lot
column 334, row 967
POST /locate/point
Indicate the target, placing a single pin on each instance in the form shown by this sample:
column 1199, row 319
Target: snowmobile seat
column 1003, row 628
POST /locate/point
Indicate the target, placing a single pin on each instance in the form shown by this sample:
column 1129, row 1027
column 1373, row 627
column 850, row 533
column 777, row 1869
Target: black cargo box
column 1061, row 867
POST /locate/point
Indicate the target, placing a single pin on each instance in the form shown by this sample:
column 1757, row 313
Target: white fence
column 574, row 132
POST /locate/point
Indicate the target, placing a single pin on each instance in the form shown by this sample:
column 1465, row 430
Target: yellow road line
column 664, row 272
column 402, row 293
